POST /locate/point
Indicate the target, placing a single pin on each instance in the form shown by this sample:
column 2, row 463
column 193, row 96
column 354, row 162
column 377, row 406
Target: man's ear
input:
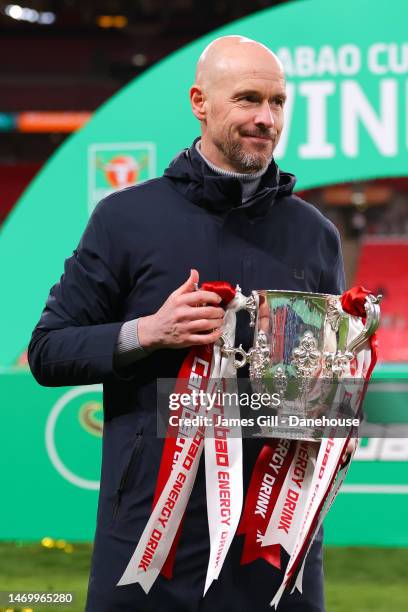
column 198, row 102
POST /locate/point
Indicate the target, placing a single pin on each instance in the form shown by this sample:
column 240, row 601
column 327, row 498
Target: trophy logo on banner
column 114, row 166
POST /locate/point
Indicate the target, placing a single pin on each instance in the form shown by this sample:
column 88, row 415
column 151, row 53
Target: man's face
column 244, row 117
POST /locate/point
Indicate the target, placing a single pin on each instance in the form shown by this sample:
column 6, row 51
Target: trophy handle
column 372, row 308
column 241, row 357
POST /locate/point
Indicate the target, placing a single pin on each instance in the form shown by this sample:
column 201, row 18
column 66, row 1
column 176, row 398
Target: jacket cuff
column 128, row 349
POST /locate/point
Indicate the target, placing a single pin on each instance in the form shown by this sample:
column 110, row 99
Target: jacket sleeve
column 332, row 275
column 74, row 341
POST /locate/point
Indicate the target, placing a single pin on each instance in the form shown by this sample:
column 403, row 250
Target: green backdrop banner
column 346, row 119
column 51, row 452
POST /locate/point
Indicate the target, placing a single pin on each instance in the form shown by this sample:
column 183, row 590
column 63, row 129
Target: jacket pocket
column 126, row 473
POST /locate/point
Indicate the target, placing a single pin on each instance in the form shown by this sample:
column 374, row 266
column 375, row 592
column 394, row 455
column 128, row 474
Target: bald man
column 126, row 311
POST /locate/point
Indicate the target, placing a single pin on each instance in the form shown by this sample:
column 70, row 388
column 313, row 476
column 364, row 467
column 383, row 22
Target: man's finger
column 190, row 284
column 187, row 313
column 204, row 325
column 200, row 339
column 201, row 297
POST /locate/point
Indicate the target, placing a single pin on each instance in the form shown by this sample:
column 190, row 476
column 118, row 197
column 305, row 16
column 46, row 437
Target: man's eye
column 250, row 99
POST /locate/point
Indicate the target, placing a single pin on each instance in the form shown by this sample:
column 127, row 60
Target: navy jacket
column 139, row 245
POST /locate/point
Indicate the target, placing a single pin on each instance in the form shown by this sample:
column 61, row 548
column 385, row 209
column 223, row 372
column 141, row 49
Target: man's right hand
column 187, row 318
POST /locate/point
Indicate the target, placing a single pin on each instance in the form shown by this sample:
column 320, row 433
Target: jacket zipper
column 123, row 480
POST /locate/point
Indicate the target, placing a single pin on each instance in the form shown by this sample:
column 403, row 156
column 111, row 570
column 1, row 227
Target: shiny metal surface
column 301, row 350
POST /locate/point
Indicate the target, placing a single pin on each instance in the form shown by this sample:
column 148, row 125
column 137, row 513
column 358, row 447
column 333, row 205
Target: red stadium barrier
column 383, row 268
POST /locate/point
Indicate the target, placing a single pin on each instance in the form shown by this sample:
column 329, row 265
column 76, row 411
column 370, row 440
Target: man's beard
column 244, row 161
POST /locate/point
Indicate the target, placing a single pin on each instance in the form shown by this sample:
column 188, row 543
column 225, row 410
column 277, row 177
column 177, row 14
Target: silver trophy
column 309, row 352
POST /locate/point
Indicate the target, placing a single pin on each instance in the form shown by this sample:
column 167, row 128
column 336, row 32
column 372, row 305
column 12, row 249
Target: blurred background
column 346, row 140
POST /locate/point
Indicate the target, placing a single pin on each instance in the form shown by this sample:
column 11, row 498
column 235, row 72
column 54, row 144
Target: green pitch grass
column 357, row 579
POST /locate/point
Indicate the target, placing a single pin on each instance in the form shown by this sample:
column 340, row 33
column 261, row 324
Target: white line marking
column 363, row 488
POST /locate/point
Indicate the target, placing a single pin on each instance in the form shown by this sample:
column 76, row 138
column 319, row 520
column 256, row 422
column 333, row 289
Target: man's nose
column 264, row 115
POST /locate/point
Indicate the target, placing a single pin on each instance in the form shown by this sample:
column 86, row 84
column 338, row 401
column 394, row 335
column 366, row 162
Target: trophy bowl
column 311, row 353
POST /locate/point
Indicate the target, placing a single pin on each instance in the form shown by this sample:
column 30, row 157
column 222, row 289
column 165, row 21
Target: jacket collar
column 206, row 188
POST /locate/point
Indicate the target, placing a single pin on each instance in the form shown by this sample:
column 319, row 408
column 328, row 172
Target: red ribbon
column 224, row 290
column 227, row 293
column 353, row 302
column 254, row 525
